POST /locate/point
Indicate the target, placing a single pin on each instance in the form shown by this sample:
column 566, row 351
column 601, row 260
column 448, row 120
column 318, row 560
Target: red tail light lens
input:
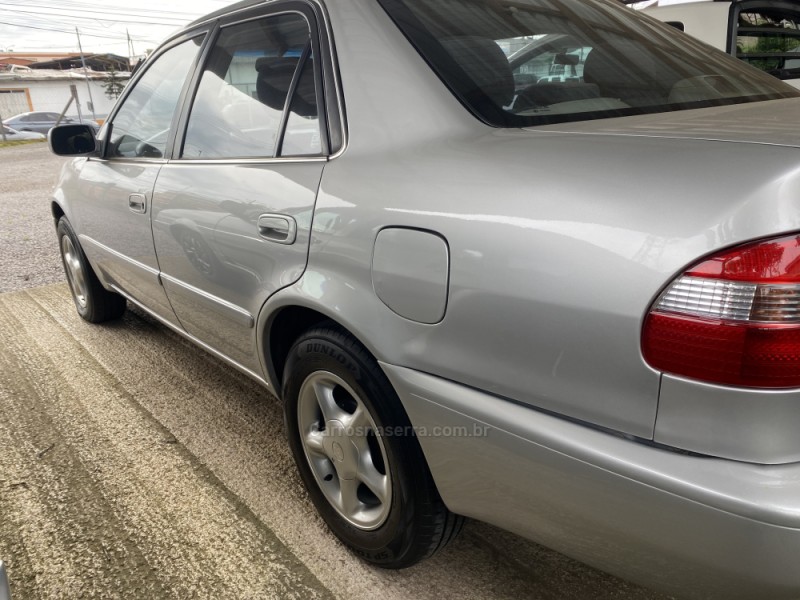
column 732, row 319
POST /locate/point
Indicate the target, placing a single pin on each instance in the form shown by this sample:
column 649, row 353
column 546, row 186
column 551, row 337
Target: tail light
column 732, row 319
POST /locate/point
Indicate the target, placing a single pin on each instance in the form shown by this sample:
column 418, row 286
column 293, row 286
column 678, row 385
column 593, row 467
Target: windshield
column 517, row 63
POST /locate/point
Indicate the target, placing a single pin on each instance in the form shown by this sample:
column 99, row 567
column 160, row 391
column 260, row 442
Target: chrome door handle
column 137, row 203
column 281, row 229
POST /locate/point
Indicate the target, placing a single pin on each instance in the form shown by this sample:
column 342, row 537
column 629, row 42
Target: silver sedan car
column 12, row 135
column 534, row 262
column 42, row 122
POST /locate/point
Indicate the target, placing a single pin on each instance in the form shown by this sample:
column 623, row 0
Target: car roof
column 224, row 11
column 33, row 112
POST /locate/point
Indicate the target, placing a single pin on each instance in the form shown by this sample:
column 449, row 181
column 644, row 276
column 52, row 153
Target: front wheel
column 94, row 303
column 357, row 453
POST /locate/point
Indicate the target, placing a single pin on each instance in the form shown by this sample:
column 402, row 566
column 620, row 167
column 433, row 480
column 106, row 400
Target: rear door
column 114, row 211
column 232, row 212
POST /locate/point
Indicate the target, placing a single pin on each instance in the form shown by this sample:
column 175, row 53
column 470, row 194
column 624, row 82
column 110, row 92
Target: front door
column 114, row 216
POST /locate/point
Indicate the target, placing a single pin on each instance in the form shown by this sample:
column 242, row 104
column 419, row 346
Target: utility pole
column 131, row 53
column 86, row 74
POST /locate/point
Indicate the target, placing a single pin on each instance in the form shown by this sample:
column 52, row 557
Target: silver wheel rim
column 75, row 274
column 344, row 450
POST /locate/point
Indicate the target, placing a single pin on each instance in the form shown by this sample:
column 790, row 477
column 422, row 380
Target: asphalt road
column 135, row 465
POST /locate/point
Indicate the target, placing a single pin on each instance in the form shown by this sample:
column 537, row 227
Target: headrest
column 486, row 64
column 623, row 65
column 275, row 75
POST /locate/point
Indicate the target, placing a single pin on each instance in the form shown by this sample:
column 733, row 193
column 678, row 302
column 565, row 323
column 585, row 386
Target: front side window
column 141, row 126
column 258, row 83
column 769, row 39
column 517, row 63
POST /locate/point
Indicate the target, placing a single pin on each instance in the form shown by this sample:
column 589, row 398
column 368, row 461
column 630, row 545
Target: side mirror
column 72, row 140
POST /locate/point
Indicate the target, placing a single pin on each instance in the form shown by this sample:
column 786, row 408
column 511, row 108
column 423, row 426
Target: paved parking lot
column 135, row 465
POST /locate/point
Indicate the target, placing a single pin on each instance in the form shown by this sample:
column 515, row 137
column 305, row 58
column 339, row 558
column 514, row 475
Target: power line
column 117, row 20
column 69, row 32
column 108, row 22
column 86, row 7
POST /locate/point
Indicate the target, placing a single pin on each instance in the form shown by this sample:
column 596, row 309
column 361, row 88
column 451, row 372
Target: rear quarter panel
column 559, row 242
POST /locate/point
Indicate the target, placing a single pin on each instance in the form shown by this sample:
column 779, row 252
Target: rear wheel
column 94, row 303
column 357, row 453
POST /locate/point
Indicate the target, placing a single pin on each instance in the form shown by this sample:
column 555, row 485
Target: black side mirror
column 72, row 140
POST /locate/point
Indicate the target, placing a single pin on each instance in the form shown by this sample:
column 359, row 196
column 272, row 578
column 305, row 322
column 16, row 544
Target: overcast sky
column 49, row 25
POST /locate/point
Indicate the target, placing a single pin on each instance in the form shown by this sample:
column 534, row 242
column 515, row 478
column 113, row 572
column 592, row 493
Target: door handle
column 281, row 229
column 137, row 203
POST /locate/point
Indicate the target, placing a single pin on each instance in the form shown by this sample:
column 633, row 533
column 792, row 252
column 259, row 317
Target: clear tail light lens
column 732, row 319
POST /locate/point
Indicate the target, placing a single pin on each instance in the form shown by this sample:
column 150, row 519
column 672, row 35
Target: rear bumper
column 687, row 525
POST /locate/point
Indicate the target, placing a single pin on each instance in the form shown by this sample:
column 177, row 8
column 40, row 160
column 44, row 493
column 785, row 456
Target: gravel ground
column 28, row 250
column 135, row 465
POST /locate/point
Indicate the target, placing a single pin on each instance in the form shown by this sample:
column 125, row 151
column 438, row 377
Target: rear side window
column 769, row 38
column 517, row 63
column 257, row 94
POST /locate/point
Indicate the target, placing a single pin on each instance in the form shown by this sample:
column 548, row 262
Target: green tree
column 114, row 84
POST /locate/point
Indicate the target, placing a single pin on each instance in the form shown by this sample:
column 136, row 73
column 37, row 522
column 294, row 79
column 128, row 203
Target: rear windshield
column 517, row 63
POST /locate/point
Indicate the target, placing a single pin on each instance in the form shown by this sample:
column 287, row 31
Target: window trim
column 298, row 73
column 309, row 12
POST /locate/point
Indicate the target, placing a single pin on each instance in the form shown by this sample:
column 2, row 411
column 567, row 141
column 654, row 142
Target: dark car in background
column 42, row 121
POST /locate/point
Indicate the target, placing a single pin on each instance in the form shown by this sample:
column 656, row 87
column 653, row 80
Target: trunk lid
column 773, row 122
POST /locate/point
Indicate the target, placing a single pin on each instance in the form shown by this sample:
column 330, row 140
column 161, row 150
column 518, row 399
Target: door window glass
column 142, row 124
column 239, row 108
column 302, row 125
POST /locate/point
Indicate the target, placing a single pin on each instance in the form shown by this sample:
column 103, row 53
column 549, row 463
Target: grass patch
column 19, row 142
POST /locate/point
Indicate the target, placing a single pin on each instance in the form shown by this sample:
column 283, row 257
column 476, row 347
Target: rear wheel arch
column 283, row 329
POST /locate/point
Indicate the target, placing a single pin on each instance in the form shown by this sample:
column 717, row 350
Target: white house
column 23, row 89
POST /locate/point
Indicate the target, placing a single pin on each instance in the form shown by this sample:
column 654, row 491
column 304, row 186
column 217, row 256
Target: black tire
column 417, row 523
column 94, row 303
